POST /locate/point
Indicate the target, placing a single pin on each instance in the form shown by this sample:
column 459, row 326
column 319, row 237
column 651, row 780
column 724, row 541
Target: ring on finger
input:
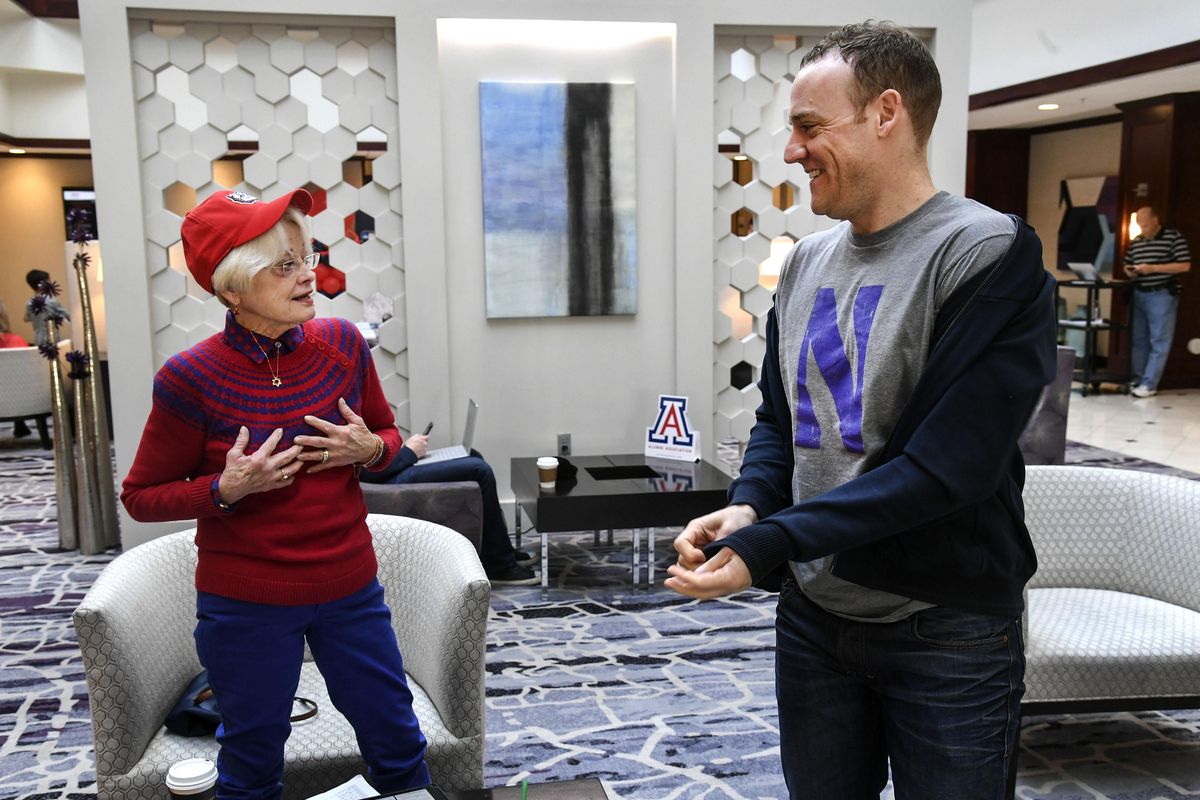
column 324, row 454
column 283, row 476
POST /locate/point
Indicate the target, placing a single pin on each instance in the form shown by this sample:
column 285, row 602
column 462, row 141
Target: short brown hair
column 884, row 57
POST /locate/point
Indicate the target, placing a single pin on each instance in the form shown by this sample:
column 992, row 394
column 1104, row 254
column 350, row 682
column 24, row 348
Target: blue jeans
column 253, row 654
column 496, row 549
column 937, row 693
column 1153, row 330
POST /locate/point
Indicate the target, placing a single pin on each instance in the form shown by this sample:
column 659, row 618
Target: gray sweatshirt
column 855, row 316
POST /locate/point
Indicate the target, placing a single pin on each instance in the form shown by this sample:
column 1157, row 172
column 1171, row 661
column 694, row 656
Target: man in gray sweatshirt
column 849, row 487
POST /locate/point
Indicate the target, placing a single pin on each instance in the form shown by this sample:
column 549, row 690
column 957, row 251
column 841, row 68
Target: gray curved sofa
column 1113, row 612
column 135, row 633
column 456, row 504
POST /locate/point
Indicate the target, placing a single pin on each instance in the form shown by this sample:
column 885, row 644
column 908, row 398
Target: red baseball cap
column 227, row 220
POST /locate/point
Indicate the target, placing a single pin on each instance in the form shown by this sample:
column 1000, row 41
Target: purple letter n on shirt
column 846, row 386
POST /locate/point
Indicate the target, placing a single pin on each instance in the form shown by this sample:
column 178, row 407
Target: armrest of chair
column 458, row 505
column 135, row 634
column 439, row 597
column 1164, row 545
column 1120, row 530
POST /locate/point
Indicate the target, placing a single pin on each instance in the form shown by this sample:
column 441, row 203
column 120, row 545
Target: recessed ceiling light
column 16, row 151
column 1047, row 106
column 740, row 157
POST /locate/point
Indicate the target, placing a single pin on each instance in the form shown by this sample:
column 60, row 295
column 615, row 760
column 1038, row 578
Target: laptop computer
column 1084, row 271
column 458, row 450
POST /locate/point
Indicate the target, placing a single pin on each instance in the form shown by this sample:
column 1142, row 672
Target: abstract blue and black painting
column 559, row 199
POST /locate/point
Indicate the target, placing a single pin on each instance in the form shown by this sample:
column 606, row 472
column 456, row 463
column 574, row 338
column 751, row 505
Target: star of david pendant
column 276, row 382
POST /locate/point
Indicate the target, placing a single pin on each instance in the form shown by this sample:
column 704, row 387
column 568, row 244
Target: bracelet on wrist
column 377, row 454
column 379, row 451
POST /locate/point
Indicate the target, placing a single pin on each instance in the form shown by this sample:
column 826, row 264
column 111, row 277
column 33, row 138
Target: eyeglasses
column 288, row 267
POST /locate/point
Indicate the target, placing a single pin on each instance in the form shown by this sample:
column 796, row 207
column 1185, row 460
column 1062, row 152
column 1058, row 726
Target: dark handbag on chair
column 195, row 713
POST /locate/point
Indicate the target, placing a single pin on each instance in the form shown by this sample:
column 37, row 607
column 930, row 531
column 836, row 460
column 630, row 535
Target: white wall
column 45, row 45
column 5, row 105
column 532, row 378
column 47, row 105
column 41, row 79
column 1014, row 41
column 597, row 378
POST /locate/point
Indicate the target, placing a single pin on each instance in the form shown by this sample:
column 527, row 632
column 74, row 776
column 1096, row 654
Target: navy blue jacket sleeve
column 765, row 482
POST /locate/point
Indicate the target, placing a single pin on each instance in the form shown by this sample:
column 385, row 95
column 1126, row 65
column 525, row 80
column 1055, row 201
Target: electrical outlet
column 564, row 444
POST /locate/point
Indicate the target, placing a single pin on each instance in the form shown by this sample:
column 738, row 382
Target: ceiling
column 11, row 12
column 1094, row 100
column 60, row 9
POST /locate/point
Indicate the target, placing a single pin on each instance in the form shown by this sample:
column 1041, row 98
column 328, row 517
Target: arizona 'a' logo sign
column 671, row 436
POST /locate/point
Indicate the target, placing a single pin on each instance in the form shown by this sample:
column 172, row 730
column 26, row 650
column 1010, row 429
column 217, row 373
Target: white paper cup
column 192, row 779
column 547, row 467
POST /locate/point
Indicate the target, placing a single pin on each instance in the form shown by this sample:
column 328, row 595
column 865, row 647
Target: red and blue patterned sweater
column 296, row 545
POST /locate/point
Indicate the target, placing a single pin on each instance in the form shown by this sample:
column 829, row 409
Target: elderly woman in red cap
column 259, row 432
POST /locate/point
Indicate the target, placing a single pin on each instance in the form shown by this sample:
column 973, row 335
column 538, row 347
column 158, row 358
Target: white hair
column 238, row 268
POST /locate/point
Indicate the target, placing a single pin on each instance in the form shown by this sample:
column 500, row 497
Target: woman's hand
column 261, row 472
column 418, row 443
column 338, row 445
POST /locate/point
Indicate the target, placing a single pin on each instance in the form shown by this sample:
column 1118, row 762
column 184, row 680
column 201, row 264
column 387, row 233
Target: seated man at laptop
column 500, row 559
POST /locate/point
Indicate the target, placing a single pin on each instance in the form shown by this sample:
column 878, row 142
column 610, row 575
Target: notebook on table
column 457, row 450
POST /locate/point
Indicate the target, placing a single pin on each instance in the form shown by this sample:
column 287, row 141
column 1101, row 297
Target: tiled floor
column 1164, row 428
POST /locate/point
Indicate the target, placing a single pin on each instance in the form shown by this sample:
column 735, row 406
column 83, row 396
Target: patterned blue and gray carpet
column 659, row 696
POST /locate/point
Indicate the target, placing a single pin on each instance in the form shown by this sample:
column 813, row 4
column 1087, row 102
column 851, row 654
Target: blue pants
column 1153, row 330
column 496, row 548
column 253, row 654
column 937, row 693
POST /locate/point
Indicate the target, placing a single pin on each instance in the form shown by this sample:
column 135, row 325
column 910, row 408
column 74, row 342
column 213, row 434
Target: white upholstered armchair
column 135, row 633
column 1113, row 613
column 25, row 388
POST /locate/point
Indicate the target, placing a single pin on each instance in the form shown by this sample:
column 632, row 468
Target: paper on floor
column 357, row 788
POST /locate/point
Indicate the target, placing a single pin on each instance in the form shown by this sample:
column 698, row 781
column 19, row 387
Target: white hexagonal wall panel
column 209, row 142
column 751, row 82
column 219, row 53
column 195, row 170
column 287, row 54
column 291, row 114
column 752, row 79
column 200, row 84
column 148, row 49
column 186, row 52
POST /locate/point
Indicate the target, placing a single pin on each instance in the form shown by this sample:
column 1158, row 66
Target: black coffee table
column 619, row 491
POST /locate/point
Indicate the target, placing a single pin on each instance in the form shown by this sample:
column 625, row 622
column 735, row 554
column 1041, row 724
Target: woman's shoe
column 512, row 575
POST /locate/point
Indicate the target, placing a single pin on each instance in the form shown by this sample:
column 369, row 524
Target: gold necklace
column 275, row 381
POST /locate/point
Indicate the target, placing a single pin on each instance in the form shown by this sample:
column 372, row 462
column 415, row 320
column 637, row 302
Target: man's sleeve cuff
column 755, row 495
column 214, row 490
column 762, row 546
